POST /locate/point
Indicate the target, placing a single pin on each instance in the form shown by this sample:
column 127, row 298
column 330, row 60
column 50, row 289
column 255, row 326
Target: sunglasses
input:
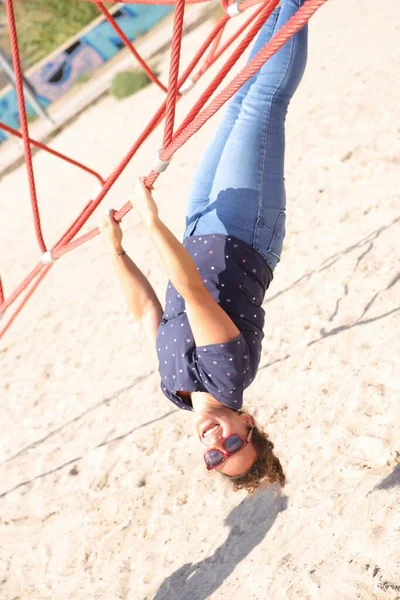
column 232, row 445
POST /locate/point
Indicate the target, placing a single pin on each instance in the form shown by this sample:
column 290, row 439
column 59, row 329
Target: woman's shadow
column 249, row 523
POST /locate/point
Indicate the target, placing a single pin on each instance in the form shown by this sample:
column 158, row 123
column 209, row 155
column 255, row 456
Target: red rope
column 86, row 212
column 130, row 46
column 224, row 5
column 247, row 4
column 65, row 244
column 24, row 122
column 214, row 47
column 67, row 159
column 174, row 72
column 59, row 251
column 162, row 2
column 191, row 124
column 22, row 286
column 15, row 314
column 262, row 17
column 219, row 51
column 295, row 23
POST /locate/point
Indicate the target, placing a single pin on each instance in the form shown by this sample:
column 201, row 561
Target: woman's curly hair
column 266, row 468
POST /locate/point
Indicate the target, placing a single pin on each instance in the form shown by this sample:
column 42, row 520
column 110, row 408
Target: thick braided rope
column 291, row 27
column 216, row 50
column 295, row 23
column 24, row 122
column 85, row 213
column 214, row 47
column 248, row 4
column 174, row 72
column 59, row 251
column 35, row 285
column 163, row 2
column 65, row 245
column 150, row 74
column 212, row 58
column 244, row 44
column 260, row 20
column 21, row 287
column 64, row 157
column 225, row 4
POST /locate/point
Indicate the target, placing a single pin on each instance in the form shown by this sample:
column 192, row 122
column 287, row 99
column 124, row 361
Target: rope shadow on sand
column 360, row 321
column 336, row 330
column 367, row 245
column 79, row 458
column 249, row 523
column 324, row 333
column 104, row 402
column 331, row 260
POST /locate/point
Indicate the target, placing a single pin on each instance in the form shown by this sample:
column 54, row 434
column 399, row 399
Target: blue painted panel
column 55, row 77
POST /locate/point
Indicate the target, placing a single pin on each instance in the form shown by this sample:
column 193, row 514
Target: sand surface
column 103, row 495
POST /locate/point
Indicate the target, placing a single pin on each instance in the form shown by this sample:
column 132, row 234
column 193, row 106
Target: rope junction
column 212, row 48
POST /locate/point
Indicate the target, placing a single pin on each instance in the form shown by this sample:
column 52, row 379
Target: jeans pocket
column 191, row 226
column 269, row 236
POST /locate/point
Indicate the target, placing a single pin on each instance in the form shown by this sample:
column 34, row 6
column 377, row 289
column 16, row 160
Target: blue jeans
column 239, row 187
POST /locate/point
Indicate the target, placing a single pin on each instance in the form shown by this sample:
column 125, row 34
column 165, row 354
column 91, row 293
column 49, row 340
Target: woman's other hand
column 111, row 231
column 144, row 203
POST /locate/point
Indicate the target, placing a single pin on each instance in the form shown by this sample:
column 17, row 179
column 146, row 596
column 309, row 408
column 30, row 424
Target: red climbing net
column 204, row 108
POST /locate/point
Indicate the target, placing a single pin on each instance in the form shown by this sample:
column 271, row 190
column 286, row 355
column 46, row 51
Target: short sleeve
column 223, row 369
column 174, row 398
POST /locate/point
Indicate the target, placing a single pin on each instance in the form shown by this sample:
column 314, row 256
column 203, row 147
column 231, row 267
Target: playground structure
column 173, row 138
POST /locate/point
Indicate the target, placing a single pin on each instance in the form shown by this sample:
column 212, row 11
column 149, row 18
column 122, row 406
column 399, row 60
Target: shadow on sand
column 392, row 480
column 249, row 523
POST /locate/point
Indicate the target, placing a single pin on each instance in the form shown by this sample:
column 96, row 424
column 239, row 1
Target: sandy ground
column 103, row 495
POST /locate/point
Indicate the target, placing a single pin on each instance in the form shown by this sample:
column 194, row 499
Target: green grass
column 43, row 25
column 32, row 118
column 126, row 83
column 83, row 79
column 217, row 13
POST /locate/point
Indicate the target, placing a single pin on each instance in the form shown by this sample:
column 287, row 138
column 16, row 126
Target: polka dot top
column 237, row 277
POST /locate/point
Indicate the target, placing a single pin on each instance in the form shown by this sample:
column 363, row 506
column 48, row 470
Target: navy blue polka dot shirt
column 237, row 277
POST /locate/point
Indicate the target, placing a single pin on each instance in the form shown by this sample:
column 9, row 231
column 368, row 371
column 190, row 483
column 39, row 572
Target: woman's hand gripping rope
column 111, row 232
column 144, row 203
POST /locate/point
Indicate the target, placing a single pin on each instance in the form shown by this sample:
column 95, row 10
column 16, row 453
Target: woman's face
column 214, row 426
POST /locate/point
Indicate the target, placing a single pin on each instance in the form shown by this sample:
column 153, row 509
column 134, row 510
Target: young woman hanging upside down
column 208, row 338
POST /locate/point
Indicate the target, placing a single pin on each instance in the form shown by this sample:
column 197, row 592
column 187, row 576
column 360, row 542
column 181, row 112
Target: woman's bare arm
column 210, row 324
column 138, row 292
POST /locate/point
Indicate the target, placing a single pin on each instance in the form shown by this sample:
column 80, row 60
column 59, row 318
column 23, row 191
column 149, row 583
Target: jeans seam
column 274, row 235
column 266, row 134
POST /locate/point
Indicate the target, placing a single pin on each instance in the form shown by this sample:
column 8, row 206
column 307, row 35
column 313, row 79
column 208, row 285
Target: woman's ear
column 248, row 419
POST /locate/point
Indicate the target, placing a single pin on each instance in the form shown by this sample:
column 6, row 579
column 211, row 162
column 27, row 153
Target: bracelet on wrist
column 121, row 253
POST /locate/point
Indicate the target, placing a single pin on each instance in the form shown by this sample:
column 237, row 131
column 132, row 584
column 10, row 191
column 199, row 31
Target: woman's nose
column 216, row 442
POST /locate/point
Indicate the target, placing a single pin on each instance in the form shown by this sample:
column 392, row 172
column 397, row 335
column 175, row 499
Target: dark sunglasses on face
column 232, row 445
